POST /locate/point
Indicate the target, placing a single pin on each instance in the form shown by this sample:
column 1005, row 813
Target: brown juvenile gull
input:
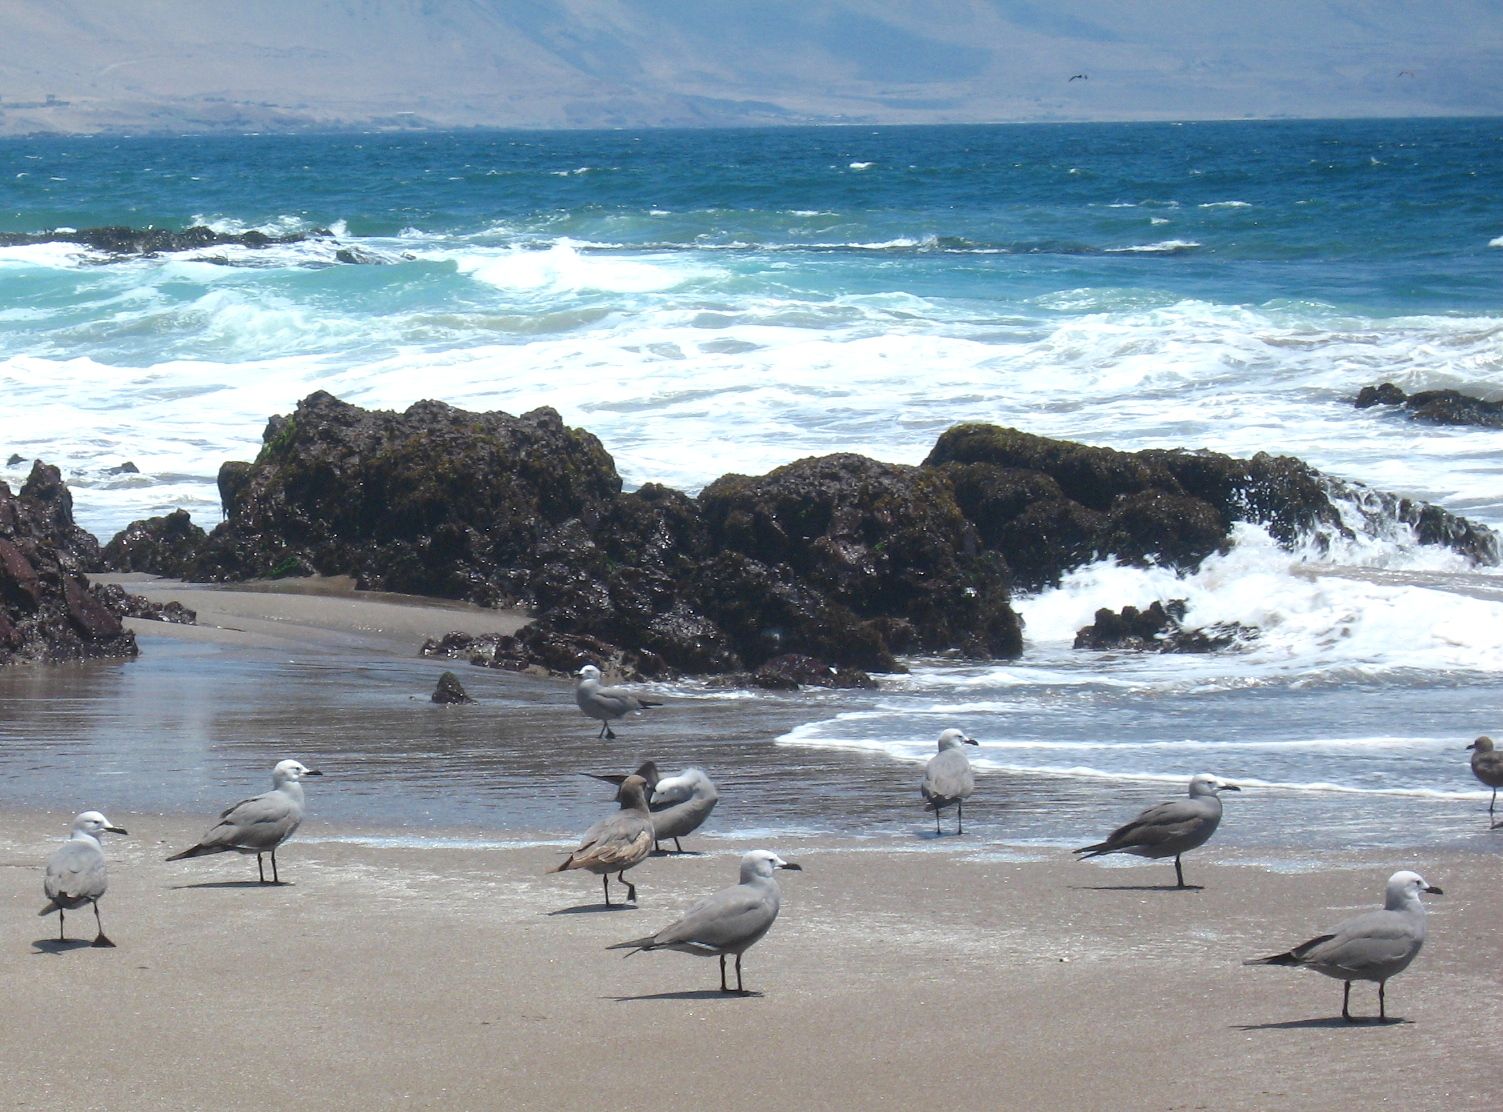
column 1169, row 829
column 76, row 873
column 606, row 704
column 1373, row 946
column 731, row 921
column 261, row 823
column 615, row 844
column 1487, row 766
column 680, row 803
column 948, row 778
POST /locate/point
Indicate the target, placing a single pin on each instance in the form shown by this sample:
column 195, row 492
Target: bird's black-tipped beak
column 791, row 865
column 1472, row 746
column 1434, row 891
column 117, row 830
column 969, row 741
column 313, row 772
column 1230, row 788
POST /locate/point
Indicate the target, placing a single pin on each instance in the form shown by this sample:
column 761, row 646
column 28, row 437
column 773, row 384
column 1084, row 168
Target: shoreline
column 465, row 977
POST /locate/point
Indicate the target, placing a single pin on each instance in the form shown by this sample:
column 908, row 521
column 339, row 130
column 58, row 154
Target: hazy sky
column 187, row 65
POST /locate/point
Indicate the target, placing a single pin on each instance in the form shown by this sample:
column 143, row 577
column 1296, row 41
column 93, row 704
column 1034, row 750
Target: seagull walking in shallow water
column 731, row 921
column 1170, row 829
column 1487, row 766
column 76, row 874
column 606, row 704
column 1370, row 947
column 948, row 778
column 261, row 823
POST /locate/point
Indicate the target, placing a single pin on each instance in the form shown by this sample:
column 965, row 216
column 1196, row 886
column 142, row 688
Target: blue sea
column 715, row 301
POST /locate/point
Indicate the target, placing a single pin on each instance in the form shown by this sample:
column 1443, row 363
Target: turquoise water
column 715, row 301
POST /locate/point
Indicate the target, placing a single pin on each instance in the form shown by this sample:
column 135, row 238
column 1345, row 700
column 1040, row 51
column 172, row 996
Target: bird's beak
column 969, row 741
column 313, row 772
column 791, row 865
column 117, row 830
column 1229, row 787
column 1472, row 746
column 1434, row 891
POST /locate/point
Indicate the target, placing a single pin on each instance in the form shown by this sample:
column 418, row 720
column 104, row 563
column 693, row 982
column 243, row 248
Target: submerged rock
column 1436, row 407
column 118, row 240
column 450, row 690
column 1159, row 629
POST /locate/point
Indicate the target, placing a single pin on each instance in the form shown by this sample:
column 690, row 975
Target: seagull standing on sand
column 261, row 823
column 1487, row 766
column 76, row 874
column 1373, row 946
column 731, row 921
column 615, row 844
column 1170, row 829
column 606, row 704
column 948, row 778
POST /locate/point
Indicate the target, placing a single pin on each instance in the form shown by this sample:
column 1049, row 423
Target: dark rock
column 1435, row 407
column 450, row 690
column 14, row 459
column 1158, row 629
column 165, row 546
column 538, row 649
column 792, row 671
column 123, row 241
column 126, row 468
column 47, row 611
column 127, row 605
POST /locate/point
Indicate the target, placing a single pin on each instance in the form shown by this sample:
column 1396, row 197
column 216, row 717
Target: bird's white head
column 290, row 772
column 762, row 863
column 1206, row 784
column 952, row 738
column 589, row 672
column 94, row 824
column 1404, row 888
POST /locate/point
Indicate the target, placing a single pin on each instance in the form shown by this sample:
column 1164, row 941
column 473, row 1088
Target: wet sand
column 407, row 965
column 463, row 977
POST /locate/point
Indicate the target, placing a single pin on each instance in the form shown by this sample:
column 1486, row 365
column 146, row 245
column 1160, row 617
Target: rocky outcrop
column 123, row 241
column 1435, row 407
column 841, row 561
column 47, row 611
column 1158, row 629
column 450, row 690
column 127, row 605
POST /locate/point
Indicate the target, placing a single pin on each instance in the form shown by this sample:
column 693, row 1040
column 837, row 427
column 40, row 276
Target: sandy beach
column 408, row 967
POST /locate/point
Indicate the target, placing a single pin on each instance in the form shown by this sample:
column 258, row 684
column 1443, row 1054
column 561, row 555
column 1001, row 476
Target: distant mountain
column 70, row 66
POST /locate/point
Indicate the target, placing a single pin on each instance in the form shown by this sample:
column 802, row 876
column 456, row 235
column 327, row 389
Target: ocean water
column 713, row 301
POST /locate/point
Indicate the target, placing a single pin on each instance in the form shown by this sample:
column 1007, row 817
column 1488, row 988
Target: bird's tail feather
column 1092, row 851
column 50, row 908
column 645, row 703
column 1295, row 956
column 636, row 945
column 197, row 851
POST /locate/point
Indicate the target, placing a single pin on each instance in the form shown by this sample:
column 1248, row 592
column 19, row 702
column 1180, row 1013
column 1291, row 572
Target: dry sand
column 904, row 973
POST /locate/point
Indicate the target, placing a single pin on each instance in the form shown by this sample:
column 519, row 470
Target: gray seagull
column 606, row 704
column 1487, row 766
column 1169, row 829
column 1373, row 946
column 948, row 778
column 680, row 804
column 261, row 823
column 731, row 921
column 76, row 874
column 615, row 844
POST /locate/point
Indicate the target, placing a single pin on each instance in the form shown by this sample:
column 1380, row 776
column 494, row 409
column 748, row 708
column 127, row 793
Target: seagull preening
column 1487, row 766
column 731, row 921
column 76, row 873
column 680, row 804
column 615, row 844
column 1170, row 829
column 261, row 823
column 605, row 704
column 1373, row 946
column 948, row 778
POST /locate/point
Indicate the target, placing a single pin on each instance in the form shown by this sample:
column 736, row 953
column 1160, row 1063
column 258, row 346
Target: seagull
column 1170, row 829
column 1078, row 77
column 948, row 778
column 680, row 804
column 731, row 921
column 75, row 872
column 1373, row 946
column 261, row 823
column 615, row 844
column 605, row 703
column 1487, row 766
